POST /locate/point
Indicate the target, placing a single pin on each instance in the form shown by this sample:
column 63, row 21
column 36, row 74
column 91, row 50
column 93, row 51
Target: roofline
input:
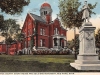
column 31, row 16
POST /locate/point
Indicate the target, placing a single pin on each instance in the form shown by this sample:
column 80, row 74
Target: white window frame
column 41, row 42
column 41, row 31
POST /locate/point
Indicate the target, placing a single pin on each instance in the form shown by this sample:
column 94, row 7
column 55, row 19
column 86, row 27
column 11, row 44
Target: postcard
column 49, row 37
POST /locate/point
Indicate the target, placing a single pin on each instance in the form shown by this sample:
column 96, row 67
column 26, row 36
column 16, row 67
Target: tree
column 70, row 14
column 97, row 39
column 10, row 29
column 13, row 6
column 1, row 22
column 77, row 43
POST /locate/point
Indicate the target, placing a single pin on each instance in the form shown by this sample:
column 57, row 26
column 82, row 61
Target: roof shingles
column 39, row 18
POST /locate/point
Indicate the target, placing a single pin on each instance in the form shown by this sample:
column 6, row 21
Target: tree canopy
column 10, row 29
column 13, row 6
column 70, row 14
column 97, row 38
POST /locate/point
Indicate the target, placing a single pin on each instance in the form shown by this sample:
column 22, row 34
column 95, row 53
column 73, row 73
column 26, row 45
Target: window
column 41, row 42
column 34, row 31
column 61, row 34
column 45, row 12
column 56, row 31
column 41, row 31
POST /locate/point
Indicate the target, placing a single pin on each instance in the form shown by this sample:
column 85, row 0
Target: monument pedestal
column 87, row 58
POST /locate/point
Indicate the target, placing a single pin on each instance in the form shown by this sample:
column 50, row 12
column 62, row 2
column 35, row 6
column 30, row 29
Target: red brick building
column 42, row 31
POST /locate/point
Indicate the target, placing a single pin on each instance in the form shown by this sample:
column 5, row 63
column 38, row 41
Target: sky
column 34, row 8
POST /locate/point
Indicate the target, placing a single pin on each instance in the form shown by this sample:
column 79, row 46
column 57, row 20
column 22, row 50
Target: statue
column 85, row 10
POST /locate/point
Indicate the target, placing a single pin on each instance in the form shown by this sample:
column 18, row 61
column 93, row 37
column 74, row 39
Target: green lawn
column 36, row 63
column 40, row 58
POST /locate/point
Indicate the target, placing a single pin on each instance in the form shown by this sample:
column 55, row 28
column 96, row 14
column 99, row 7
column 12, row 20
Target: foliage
column 1, row 22
column 19, row 37
column 97, row 39
column 70, row 14
column 13, row 6
column 77, row 42
column 10, row 29
column 71, row 44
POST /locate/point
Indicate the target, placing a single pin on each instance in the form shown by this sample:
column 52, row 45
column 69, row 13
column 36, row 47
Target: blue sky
column 35, row 5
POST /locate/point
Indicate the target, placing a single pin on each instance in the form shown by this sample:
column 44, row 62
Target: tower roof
column 45, row 5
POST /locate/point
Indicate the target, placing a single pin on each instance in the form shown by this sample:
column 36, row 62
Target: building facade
column 42, row 31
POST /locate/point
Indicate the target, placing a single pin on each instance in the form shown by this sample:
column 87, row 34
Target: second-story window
column 56, row 31
column 41, row 31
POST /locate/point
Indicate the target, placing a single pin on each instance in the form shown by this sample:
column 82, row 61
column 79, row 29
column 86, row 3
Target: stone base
column 85, row 66
column 86, row 62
